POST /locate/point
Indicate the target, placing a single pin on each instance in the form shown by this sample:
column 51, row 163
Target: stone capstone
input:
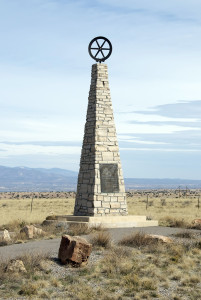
column 74, row 249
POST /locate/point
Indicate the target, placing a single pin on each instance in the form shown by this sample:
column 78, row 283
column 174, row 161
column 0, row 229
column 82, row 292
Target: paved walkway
column 52, row 246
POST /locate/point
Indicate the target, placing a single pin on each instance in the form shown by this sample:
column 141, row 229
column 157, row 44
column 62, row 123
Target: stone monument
column 101, row 197
column 100, row 189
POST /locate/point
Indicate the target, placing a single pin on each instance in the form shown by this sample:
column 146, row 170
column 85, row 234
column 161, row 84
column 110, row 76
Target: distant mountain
column 22, row 179
column 164, row 183
column 58, row 171
column 33, row 179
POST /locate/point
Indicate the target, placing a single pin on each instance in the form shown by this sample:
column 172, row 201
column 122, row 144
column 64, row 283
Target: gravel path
column 52, row 246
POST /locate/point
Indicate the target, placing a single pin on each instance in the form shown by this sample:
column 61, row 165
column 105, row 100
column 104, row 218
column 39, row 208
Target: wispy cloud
column 175, row 127
column 182, row 109
column 45, row 78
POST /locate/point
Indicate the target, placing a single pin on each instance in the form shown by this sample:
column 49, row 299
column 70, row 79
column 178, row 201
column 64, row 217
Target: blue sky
column 154, row 73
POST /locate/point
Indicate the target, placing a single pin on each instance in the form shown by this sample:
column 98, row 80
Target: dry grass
column 41, row 209
column 78, row 229
column 101, row 239
column 138, row 239
column 185, row 235
column 148, row 272
column 173, row 222
column 26, row 284
column 183, row 209
column 144, row 270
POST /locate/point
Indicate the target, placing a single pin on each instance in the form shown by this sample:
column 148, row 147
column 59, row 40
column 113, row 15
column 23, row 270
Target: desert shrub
column 163, row 202
column 28, row 289
column 53, row 217
column 172, row 222
column 185, row 235
column 78, row 229
column 195, row 226
column 101, row 239
column 138, row 239
column 33, row 262
column 14, row 225
column 117, row 261
column 97, row 227
column 148, row 284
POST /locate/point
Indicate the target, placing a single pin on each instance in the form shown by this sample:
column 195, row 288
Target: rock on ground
column 161, row 238
column 197, row 222
column 30, row 231
column 16, row 266
column 74, row 249
column 6, row 236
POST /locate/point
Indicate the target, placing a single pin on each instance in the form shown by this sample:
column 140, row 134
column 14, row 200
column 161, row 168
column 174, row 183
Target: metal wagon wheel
column 103, row 48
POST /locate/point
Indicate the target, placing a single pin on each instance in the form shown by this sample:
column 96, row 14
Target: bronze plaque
column 109, row 178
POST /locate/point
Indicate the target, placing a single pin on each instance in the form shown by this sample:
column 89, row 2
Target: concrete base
column 105, row 221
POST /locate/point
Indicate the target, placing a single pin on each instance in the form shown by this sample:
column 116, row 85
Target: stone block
column 106, row 204
column 97, row 203
column 113, row 199
column 115, row 205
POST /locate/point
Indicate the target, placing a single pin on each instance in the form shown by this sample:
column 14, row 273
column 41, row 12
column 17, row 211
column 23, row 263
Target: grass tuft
column 101, row 239
column 138, row 239
column 78, row 229
column 185, row 235
column 173, row 222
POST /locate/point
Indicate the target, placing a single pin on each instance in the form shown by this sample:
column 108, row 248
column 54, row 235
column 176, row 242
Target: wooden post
column 31, row 204
column 147, row 201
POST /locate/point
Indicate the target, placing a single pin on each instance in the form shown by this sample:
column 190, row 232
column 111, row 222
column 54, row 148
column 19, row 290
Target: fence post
column 147, row 201
column 31, row 204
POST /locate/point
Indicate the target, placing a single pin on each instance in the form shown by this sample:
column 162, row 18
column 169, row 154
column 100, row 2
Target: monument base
column 105, row 221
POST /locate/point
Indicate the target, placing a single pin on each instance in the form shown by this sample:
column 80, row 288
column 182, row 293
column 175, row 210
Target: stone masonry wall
column 100, row 146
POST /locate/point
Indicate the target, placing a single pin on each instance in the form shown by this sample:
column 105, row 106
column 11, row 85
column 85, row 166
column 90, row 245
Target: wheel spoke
column 102, row 54
column 104, row 48
column 103, row 44
column 97, row 44
column 97, row 53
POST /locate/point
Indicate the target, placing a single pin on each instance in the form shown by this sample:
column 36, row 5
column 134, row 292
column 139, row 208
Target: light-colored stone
column 197, row 222
column 161, row 238
column 30, row 231
column 6, row 236
column 16, row 266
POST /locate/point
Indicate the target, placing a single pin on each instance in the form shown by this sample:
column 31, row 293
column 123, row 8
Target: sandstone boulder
column 74, row 249
column 30, row 231
column 16, row 266
column 161, row 238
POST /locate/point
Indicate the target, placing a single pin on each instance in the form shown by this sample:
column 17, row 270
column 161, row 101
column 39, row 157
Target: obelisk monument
column 101, row 197
column 100, row 188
